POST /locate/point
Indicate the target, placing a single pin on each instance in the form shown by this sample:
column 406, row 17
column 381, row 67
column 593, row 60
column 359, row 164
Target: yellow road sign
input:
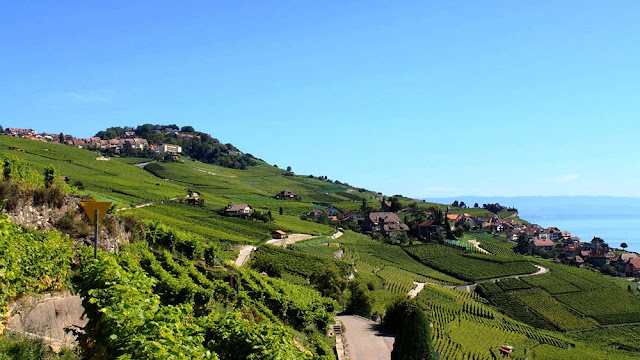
column 90, row 208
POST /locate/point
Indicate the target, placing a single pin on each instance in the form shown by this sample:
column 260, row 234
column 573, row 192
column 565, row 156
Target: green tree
column 61, row 138
column 359, row 301
column 524, row 245
column 6, row 170
column 328, row 281
column 280, row 211
column 413, row 341
column 187, row 129
column 1, row 129
column 363, row 206
column 624, row 245
column 49, row 176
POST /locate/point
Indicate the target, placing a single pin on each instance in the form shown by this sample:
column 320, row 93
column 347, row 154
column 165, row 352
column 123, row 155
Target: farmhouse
column 385, row 222
column 317, row 212
column 279, row 234
column 238, row 210
column 287, row 194
column 352, row 217
column 632, row 268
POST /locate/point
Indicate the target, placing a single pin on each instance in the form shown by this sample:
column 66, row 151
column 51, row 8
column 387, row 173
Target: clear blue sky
column 421, row 98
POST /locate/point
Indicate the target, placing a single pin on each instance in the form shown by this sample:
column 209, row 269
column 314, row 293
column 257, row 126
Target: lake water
column 613, row 229
column 614, row 219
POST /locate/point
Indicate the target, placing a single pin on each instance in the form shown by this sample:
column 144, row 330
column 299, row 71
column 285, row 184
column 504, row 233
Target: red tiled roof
column 635, row 263
column 543, row 242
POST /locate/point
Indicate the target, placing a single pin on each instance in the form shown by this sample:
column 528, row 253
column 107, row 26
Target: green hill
column 206, row 308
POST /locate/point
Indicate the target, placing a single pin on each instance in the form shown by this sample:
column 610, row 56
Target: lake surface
column 615, row 219
column 613, row 229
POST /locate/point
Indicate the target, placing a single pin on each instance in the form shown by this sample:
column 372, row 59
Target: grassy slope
column 120, row 181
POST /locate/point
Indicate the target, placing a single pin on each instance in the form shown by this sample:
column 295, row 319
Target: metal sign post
column 95, row 236
column 95, row 210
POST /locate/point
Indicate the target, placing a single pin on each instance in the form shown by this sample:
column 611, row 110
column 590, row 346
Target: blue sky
column 423, row 98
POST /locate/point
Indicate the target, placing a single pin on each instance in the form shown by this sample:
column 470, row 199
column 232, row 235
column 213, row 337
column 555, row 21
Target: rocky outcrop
column 47, row 317
column 70, row 219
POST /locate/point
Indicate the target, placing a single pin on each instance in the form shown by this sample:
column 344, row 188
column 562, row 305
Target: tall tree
column 413, row 341
column 360, row 300
column 624, row 245
column 524, row 245
column 364, row 206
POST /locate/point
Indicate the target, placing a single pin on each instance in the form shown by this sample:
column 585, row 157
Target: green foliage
column 291, row 261
column 190, row 245
column 608, row 305
column 296, row 305
column 127, row 321
column 468, row 266
column 413, row 341
column 202, row 147
column 397, row 313
column 383, row 255
column 552, row 311
column 359, row 301
column 19, row 347
column 49, row 176
column 328, row 280
column 30, row 262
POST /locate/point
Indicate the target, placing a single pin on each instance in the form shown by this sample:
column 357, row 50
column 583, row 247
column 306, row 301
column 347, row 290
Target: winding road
column 472, row 287
column 366, row 339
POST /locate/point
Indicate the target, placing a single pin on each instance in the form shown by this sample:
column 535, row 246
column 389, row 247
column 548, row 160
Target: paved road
column 365, row 339
column 245, row 251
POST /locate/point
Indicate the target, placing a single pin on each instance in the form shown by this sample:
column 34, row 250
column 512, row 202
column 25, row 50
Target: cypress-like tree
column 413, row 341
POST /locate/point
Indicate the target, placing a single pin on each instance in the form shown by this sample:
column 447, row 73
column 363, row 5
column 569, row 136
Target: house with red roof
column 632, row 267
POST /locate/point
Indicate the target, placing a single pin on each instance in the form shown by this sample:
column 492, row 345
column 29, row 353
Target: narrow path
column 135, row 207
column 472, row 287
column 243, row 256
column 476, row 245
column 142, row 165
column 365, row 339
column 337, row 235
column 414, row 292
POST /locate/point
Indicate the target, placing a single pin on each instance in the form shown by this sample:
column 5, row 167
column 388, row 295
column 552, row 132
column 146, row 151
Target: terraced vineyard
column 294, row 262
column 468, row 267
column 399, row 281
column 379, row 255
column 563, row 317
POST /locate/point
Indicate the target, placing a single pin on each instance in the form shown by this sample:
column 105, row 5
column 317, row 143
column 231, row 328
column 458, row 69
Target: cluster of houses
column 129, row 141
column 571, row 249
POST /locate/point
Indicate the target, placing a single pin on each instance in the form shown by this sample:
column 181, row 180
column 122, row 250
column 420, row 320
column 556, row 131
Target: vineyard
column 169, row 295
column 291, row 261
column 30, row 262
column 469, row 267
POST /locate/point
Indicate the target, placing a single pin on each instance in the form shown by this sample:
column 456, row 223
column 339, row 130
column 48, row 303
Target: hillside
column 210, row 309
